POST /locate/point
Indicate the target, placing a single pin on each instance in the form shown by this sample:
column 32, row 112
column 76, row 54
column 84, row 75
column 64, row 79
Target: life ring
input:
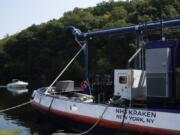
column 84, row 84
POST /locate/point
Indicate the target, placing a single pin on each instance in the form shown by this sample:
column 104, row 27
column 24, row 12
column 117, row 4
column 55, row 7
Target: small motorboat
column 17, row 84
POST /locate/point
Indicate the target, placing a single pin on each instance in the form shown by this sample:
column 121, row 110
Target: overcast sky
column 16, row 15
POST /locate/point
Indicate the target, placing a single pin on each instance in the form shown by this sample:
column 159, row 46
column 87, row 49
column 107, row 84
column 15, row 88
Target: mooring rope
column 26, row 103
column 96, row 123
column 124, row 116
column 15, row 107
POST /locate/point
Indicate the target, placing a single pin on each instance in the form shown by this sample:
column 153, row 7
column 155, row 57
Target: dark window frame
column 123, row 79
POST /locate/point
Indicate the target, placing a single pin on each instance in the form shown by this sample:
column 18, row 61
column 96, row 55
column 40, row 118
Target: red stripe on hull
column 107, row 123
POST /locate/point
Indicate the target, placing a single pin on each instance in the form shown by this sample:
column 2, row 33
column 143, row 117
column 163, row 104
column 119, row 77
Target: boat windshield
column 15, row 80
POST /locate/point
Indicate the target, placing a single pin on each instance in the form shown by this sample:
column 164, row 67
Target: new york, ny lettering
column 141, row 116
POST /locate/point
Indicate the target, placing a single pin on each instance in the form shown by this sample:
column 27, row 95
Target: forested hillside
column 41, row 51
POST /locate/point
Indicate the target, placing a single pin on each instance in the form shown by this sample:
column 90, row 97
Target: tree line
column 41, row 51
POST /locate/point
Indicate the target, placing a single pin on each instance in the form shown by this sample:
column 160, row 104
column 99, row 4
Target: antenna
column 161, row 20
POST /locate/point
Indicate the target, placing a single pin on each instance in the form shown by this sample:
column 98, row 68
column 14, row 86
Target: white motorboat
column 17, row 84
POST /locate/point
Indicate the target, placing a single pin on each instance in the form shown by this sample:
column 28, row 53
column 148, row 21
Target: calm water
column 26, row 119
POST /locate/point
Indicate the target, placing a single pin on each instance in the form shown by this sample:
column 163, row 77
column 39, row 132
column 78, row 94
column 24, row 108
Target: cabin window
column 123, row 79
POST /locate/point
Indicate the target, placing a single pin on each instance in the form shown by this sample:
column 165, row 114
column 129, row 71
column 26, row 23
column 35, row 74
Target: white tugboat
column 146, row 101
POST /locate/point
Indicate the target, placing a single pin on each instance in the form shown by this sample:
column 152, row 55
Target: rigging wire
column 65, row 68
column 26, row 103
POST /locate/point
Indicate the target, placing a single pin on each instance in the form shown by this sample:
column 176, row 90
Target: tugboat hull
column 161, row 122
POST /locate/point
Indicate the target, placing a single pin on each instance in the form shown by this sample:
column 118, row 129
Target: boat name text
column 136, row 115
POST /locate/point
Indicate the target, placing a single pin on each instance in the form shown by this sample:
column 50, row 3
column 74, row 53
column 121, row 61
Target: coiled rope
column 15, row 107
column 96, row 123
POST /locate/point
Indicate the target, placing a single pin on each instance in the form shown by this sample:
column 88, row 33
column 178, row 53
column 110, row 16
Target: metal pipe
column 86, row 61
column 137, row 59
column 134, row 55
column 133, row 28
column 149, row 26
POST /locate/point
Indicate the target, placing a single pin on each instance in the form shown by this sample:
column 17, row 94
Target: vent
column 65, row 86
column 159, row 75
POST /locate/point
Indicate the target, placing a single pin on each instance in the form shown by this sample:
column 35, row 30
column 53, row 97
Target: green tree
column 41, row 51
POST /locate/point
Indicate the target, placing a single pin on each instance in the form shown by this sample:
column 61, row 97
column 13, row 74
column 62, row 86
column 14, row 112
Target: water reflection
column 9, row 124
column 17, row 91
column 25, row 119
